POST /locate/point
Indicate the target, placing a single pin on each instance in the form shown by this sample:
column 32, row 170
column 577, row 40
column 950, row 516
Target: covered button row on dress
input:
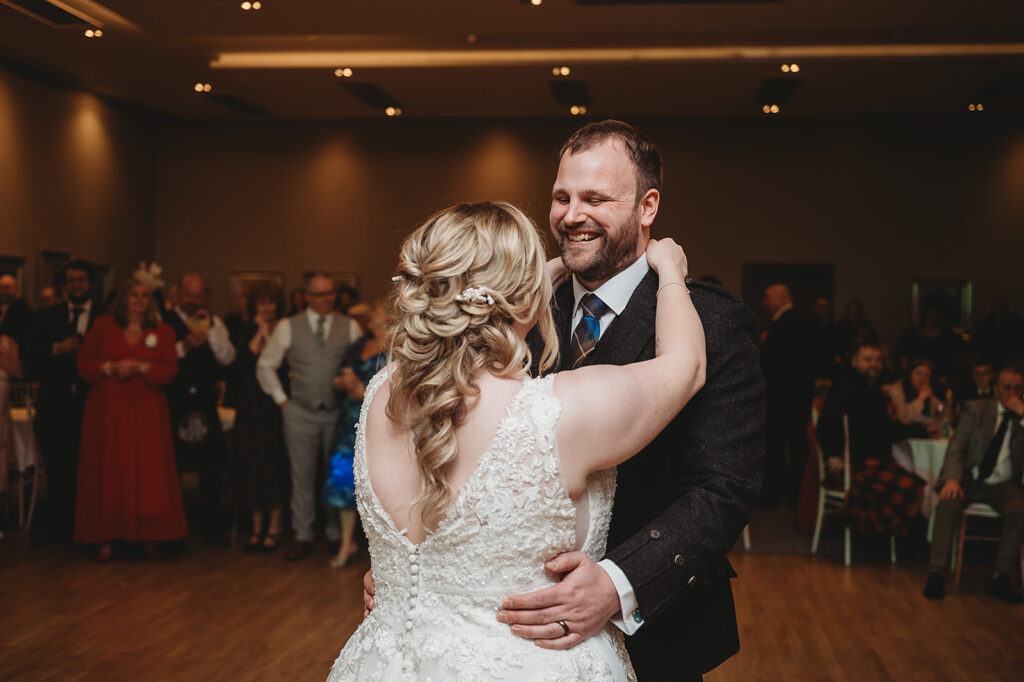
column 414, row 582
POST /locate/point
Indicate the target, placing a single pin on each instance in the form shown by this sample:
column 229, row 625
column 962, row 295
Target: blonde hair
column 441, row 339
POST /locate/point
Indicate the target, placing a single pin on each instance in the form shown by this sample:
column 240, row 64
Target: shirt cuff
column 181, row 350
column 279, row 396
column 629, row 619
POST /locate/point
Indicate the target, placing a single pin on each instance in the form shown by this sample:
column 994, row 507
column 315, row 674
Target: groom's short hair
column 645, row 156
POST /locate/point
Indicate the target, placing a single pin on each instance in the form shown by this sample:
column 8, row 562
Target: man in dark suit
column 683, row 501
column 787, row 356
column 981, row 384
column 984, row 463
column 53, row 357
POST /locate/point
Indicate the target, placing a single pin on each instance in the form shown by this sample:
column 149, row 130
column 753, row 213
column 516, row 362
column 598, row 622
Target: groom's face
column 595, row 217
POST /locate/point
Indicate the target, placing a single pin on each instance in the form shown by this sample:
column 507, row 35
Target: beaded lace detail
column 436, row 602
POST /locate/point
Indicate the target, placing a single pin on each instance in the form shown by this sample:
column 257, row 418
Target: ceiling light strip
column 459, row 58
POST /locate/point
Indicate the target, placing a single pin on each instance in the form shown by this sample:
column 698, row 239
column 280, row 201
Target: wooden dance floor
column 218, row 614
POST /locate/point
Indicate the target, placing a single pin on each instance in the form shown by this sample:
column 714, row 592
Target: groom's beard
column 617, row 251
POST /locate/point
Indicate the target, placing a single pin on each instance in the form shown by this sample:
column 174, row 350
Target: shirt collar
column 617, row 291
column 780, row 311
column 85, row 307
column 312, row 316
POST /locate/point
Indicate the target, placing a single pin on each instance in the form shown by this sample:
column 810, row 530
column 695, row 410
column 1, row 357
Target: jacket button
column 692, row 581
column 655, row 534
column 680, row 561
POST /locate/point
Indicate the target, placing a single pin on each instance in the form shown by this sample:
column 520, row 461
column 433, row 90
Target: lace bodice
column 435, row 602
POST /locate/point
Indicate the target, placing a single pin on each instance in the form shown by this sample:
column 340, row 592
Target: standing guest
column 984, row 463
column 48, row 297
column 258, row 467
column 128, row 485
column 825, row 346
column 15, row 314
column 883, row 496
column 204, row 351
column 932, row 339
column 10, row 368
column 365, row 357
column 296, row 301
column 786, row 360
column 918, row 399
column 1000, row 336
column 314, row 343
column 852, row 327
column 238, row 332
column 56, row 338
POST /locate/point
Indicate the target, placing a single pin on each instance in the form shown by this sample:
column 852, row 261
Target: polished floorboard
column 218, row 614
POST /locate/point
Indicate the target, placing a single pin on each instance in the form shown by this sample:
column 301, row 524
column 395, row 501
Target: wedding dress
column 436, row 602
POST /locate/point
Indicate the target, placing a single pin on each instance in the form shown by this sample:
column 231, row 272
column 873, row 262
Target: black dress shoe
column 1000, row 588
column 299, row 551
column 935, row 588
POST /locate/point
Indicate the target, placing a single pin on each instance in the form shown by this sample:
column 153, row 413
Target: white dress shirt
column 280, row 341
column 1004, row 467
column 83, row 318
column 615, row 293
column 217, row 337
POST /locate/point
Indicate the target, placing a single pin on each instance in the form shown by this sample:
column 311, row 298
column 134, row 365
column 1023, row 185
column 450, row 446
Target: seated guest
column 204, row 351
column 127, row 480
column 984, row 463
column 258, row 465
column 882, row 496
column 914, row 399
column 980, row 385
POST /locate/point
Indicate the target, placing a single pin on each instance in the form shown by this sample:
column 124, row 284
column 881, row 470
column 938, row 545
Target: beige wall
column 76, row 175
column 883, row 199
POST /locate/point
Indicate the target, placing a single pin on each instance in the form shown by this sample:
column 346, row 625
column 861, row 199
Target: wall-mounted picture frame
column 950, row 298
column 345, row 278
column 242, row 281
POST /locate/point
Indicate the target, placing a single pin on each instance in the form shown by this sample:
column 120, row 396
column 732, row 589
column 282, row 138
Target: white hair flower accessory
column 479, row 295
column 149, row 276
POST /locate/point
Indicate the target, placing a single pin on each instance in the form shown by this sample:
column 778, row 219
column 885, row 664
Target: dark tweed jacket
column 683, row 501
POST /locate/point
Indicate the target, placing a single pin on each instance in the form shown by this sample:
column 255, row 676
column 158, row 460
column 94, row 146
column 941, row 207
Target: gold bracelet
column 670, row 284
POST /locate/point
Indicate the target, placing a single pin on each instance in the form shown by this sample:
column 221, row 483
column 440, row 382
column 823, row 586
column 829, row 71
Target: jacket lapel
column 561, row 311
column 989, row 415
column 631, row 332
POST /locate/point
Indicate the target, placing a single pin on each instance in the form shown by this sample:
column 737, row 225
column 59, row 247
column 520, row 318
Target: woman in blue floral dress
column 365, row 357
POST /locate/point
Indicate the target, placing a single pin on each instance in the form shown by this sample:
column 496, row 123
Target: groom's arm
column 719, row 442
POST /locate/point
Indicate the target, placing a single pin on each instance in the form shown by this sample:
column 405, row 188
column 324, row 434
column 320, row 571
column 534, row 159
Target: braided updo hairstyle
column 441, row 338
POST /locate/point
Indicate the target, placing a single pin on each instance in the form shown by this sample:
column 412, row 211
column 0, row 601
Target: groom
column 683, row 501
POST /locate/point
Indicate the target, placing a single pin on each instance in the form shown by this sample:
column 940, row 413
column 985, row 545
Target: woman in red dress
column 128, row 486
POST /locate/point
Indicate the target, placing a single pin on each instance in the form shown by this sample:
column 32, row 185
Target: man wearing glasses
column 314, row 343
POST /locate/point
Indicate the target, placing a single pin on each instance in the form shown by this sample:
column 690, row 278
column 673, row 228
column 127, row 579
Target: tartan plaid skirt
column 882, row 497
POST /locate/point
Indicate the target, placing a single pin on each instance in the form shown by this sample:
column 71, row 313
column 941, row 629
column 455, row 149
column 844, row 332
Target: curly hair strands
column 441, row 339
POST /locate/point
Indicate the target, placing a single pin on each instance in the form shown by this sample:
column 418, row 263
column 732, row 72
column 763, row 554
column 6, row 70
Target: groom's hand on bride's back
column 584, row 600
column 368, row 592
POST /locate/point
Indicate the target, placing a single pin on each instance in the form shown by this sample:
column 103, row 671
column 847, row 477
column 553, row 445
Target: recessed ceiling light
column 343, row 73
column 535, row 3
column 771, row 108
column 257, row 5
column 202, row 87
column 247, row 5
column 790, row 68
column 577, row 110
column 976, row 107
column 561, row 71
column 93, row 33
column 393, row 111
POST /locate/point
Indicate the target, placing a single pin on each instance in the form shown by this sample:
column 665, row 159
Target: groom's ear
column 649, row 208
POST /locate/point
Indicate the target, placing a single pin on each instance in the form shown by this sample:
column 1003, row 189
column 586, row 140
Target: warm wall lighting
column 252, row 5
column 577, row 110
column 343, row 73
column 976, row 107
column 561, row 71
column 202, row 87
column 93, row 33
column 535, row 3
column 771, row 108
column 393, row 111
column 790, row 68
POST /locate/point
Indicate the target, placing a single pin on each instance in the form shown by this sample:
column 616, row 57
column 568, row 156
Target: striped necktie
column 587, row 332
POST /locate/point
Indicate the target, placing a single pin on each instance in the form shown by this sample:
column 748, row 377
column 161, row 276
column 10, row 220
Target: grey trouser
column 1005, row 498
column 308, row 434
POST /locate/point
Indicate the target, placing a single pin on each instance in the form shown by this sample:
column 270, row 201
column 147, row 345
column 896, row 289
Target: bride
column 470, row 475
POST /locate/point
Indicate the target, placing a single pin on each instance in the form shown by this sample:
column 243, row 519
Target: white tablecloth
column 924, row 457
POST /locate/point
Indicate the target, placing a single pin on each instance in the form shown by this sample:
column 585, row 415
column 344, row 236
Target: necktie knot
column 593, row 307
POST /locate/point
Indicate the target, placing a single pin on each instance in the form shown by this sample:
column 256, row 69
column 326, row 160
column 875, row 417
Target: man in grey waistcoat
column 314, row 343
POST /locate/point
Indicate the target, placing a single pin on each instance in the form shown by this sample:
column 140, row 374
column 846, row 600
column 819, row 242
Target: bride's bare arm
column 609, row 412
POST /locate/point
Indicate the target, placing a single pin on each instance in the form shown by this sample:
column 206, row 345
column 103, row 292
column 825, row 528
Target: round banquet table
column 924, row 457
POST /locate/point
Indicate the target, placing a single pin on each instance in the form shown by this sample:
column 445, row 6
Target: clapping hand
column 67, row 346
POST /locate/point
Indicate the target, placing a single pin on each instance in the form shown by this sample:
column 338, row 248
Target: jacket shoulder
column 720, row 309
